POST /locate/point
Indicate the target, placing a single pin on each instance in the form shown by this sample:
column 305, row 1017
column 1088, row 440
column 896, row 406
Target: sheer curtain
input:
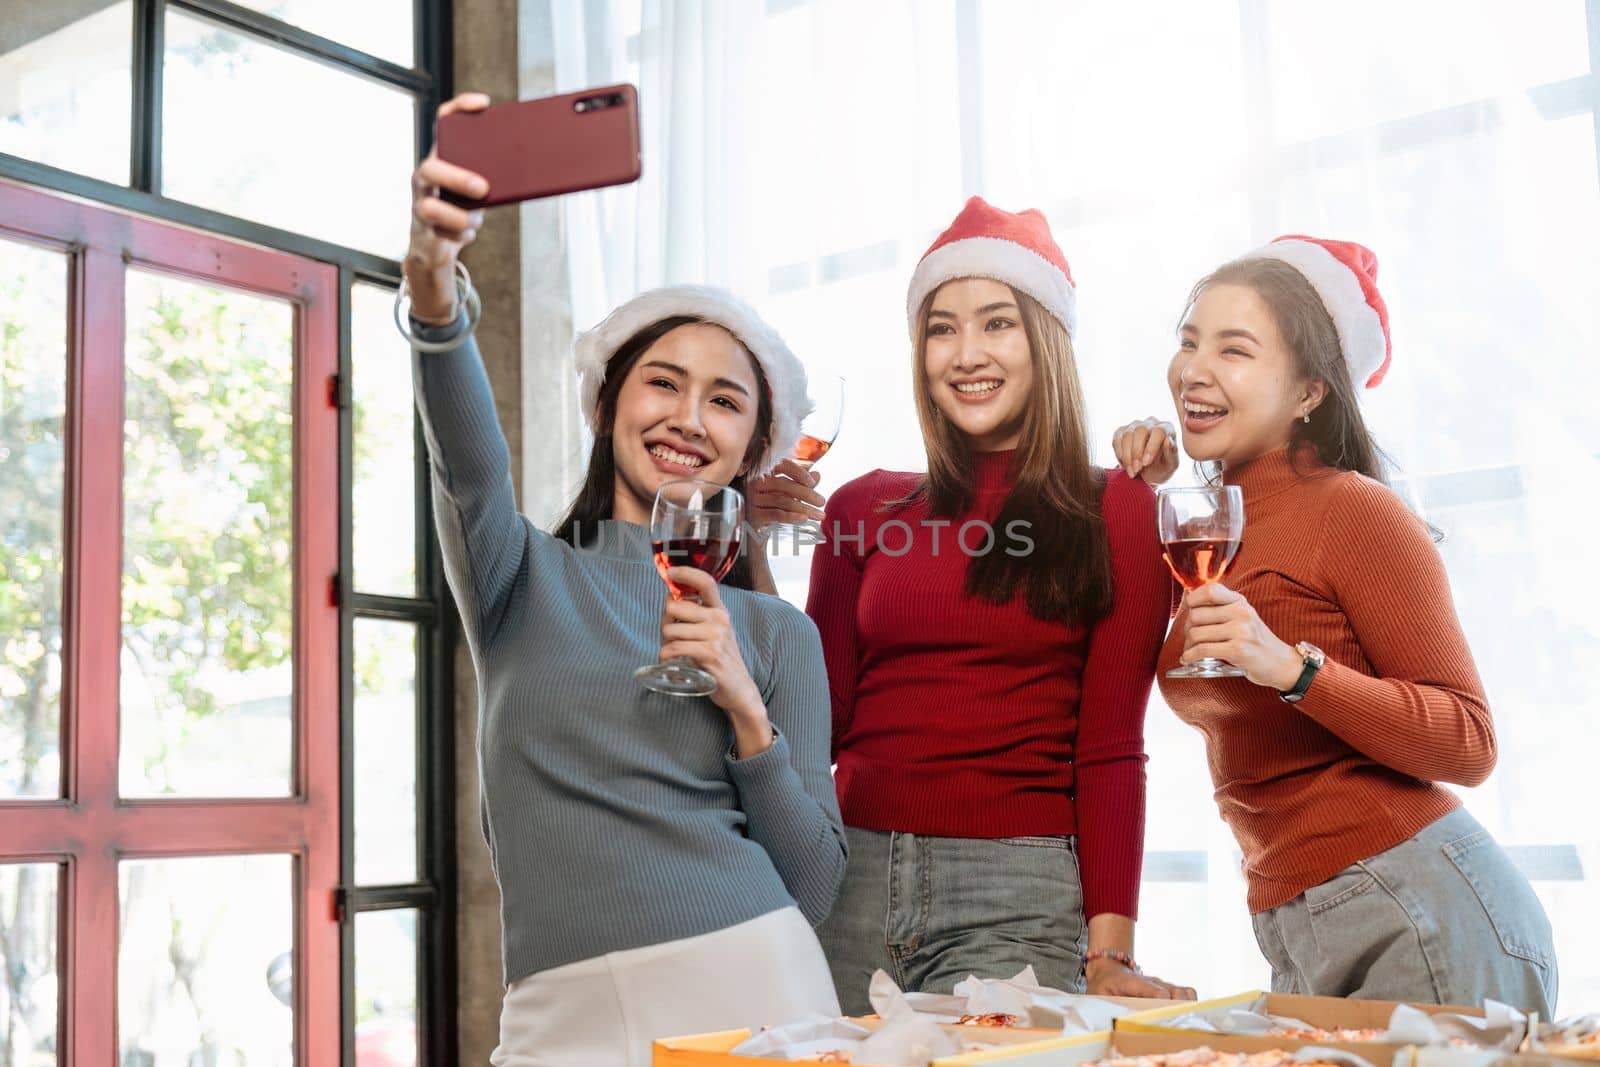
column 806, row 152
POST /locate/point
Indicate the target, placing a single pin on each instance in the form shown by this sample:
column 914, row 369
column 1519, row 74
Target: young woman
column 990, row 629
column 660, row 859
column 1366, row 877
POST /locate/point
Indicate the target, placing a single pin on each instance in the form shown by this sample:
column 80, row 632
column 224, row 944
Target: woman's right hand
column 787, row 493
column 1147, row 449
column 440, row 229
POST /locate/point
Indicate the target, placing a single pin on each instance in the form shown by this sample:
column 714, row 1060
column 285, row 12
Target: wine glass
column 693, row 524
column 1201, row 527
column 817, row 433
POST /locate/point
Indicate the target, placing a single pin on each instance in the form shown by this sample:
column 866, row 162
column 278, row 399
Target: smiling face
column 688, row 408
column 977, row 363
column 1233, row 378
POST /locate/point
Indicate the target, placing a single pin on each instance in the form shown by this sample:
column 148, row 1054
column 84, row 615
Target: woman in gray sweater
column 661, row 860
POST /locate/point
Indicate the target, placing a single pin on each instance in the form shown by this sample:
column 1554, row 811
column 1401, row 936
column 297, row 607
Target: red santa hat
column 786, row 376
column 1014, row 248
column 1345, row 276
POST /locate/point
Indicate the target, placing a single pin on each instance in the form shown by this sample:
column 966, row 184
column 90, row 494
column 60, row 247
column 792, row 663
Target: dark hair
column 1056, row 488
column 1337, row 431
column 594, row 501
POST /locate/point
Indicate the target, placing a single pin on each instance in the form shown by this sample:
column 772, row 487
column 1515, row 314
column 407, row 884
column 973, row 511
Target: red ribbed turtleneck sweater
column 959, row 718
column 1334, row 558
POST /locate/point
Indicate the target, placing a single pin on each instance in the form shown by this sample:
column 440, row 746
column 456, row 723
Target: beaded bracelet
column 1111, row 954
column 466, row 296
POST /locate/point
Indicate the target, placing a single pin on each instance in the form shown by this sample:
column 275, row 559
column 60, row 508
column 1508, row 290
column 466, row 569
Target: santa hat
column 985, row 242
column 1345, row 276
column 786, row 377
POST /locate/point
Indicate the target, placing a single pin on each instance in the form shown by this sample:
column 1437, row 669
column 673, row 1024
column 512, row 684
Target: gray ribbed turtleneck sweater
column 616, row 817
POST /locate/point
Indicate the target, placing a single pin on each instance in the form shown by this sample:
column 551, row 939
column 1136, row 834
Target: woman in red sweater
column 990, row 630
column 1366, row 877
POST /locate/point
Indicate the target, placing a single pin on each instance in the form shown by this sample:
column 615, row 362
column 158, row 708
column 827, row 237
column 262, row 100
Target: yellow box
column 1025, row 1049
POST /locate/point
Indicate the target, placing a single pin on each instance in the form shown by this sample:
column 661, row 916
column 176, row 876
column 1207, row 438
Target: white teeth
column 976, row 388
column 1202, row 409
column 680, row 458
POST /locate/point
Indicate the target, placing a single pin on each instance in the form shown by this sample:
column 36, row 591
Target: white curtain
column 805, row 153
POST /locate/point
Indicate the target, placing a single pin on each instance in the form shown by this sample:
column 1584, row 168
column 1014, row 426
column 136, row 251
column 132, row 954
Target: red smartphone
column 545, row 147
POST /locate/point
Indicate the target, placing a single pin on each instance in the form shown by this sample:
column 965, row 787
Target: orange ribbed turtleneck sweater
column 1336, row 559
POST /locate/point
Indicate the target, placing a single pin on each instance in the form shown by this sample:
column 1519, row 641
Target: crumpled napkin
column 806, row 1037
column 1501, row 1027
column 1568, row 1031
column 1035, row 1006
column 910, row 1041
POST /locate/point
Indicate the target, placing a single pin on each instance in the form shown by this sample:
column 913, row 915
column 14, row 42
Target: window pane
column 380, row 27
column 1332, row 70
column 29, row 993
column 1127, row 95
column 208, row 511
column 383, row 497
column 255, row 131
column 386, row 752
column 386, row 989
column 33, row 376
column 66, row 86
column 205, row 969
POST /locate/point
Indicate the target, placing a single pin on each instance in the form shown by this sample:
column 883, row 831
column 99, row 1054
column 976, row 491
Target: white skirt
column 607, row 1010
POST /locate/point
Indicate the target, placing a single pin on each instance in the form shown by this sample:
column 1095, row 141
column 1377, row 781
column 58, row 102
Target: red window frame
column 91, row 828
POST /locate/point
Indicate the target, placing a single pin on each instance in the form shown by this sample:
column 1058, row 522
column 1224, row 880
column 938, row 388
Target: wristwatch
column 1313, row 659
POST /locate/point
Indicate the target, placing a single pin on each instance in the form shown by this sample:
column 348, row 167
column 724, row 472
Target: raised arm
column 482, row 536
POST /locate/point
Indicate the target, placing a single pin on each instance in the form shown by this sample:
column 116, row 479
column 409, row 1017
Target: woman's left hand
column 704, row 633
column 1221, row 623
column 1111, row 978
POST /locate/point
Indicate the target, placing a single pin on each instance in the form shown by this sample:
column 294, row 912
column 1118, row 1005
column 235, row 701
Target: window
column 258, row 626
column 1459, row 143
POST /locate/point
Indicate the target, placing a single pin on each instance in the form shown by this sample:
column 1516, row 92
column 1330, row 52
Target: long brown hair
column 595, row 499
column 1056, row 489
column 1337, row 431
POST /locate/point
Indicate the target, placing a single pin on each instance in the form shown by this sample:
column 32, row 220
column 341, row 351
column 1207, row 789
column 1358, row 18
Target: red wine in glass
column 693, row 524
column 817, row 433
column 1200, row 560
column 714, row 555
column 1201, row 528
column 810, row 449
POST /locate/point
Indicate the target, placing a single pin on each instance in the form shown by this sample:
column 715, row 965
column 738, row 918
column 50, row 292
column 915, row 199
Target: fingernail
column 480, row 189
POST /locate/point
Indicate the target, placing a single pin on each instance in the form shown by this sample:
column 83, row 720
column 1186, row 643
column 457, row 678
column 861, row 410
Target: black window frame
column 428, row 81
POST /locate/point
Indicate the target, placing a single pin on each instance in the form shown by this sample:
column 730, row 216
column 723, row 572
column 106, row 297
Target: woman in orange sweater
column 1366, row 877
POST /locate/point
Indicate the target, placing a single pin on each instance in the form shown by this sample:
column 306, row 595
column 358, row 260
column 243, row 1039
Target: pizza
column 1576, row 1037
column 1207, row 1057
column 993, row 1018
column 1317, row 1033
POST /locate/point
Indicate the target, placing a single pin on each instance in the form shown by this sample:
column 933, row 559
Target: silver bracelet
column 466, row 296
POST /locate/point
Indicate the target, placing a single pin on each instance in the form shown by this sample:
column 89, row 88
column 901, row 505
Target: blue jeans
column 932, row 910
column 1444, row 918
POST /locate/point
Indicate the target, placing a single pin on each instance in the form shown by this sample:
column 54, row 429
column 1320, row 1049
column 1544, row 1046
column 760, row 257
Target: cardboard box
column 714, row 1050
column 1127, row 1043
column 1328, row 1013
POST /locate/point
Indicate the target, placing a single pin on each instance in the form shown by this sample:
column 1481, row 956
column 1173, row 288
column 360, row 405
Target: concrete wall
column 503, row 47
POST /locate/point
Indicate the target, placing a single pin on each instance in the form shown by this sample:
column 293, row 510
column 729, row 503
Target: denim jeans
column 932, row 910
column 1444, row 918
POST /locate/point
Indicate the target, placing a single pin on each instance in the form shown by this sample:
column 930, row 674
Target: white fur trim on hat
column 1356, row 321
column 1004, row 261
column 786, row 376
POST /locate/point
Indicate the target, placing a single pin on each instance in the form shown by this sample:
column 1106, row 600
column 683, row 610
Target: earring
column 1306, row 418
